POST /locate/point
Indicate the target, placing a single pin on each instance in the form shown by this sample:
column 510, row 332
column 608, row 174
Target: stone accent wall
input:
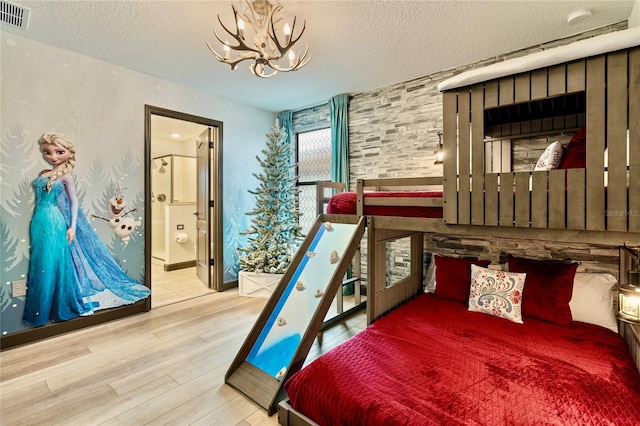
column 309, row 119
column 592, row 257
column 393, row 133
column 393, row 129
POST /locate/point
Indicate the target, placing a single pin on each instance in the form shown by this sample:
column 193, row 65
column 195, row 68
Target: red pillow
column 453, row 277
column 342, row 203
column 547, row 288
column 575, row 154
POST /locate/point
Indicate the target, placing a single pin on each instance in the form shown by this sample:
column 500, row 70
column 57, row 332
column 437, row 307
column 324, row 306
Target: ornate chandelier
column 258, row 41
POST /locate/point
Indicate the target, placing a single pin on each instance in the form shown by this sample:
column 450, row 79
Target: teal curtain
column 285, row 120
column 338, row 107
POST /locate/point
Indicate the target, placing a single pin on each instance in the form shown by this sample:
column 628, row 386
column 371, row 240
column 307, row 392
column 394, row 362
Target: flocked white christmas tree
column 274, row 234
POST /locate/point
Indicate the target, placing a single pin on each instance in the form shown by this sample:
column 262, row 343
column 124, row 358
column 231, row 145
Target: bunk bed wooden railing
column 383, row 296
column 409, row 184
column 600, row 92
column 397, row 185
column 324, row 191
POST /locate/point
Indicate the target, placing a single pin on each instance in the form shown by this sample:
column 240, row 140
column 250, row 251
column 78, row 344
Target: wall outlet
column 18, row 288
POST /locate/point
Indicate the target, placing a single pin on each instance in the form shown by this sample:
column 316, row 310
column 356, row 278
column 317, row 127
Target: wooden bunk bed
column 389, row 198
column 600, row 93
column 596, row 88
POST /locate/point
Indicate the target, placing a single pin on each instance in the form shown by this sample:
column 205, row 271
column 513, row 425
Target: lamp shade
column 629, row 303
column 628, row 284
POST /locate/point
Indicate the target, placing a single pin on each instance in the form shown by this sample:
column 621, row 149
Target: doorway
column 174, row 237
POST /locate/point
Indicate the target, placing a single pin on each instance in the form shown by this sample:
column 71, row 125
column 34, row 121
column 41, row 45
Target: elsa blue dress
column 69, row 280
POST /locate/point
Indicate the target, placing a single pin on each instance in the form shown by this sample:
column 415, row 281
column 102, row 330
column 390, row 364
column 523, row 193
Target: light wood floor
column 174, row 286
column 166, row 366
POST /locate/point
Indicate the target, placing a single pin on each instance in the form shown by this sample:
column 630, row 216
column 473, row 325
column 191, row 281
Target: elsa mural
column 71, row 272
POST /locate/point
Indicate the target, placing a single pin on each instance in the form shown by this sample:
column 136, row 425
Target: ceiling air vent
column 14, row 15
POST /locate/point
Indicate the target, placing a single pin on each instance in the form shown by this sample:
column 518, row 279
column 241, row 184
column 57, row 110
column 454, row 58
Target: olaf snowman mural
column 122, row 226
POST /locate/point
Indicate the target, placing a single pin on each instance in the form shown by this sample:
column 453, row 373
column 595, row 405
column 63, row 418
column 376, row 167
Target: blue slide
column 284, row 332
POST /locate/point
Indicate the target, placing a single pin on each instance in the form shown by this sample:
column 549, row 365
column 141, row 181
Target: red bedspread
column 432, row 362
column 345, row 203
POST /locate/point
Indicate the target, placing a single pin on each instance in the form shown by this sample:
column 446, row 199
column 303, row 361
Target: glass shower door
column 161, row 195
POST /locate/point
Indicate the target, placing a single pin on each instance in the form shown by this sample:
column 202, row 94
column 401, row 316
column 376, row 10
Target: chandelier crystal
column 258, row 41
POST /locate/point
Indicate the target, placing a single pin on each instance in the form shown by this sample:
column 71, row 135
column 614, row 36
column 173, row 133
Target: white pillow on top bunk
column 550, row 158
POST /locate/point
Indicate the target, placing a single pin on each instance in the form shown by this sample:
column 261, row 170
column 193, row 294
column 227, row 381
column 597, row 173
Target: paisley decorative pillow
column 497, row 293
column 551, row 157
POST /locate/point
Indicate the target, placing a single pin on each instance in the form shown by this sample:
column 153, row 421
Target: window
column 314, row 164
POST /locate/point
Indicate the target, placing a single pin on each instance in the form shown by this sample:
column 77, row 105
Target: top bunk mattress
column 346, row 202
column 432, row 362
column 580, row 49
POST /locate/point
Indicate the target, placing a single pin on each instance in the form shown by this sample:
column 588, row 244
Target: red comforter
column 345, row 203
column 432, row 362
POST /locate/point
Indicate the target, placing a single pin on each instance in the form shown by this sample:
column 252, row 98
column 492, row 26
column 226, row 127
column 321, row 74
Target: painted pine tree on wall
column 274, row 234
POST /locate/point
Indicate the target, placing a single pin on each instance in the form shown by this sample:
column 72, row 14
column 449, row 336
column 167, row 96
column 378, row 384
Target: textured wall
column 310, row 119
column 393, row 130
column 100, row 106
column 393, row 133
column 591, row 257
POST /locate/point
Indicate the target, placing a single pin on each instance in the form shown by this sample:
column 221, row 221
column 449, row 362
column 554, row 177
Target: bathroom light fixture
column 175, row 135
column 257, row 40
column 578, row 16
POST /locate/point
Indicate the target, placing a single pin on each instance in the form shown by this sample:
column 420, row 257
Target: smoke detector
column 13, row 14
column 579, row 16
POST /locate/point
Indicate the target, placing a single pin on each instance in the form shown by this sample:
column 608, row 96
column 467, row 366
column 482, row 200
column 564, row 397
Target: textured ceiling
column 355, row 45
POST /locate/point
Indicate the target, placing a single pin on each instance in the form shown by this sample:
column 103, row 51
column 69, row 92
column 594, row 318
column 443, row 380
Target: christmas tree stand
column 257, row 284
